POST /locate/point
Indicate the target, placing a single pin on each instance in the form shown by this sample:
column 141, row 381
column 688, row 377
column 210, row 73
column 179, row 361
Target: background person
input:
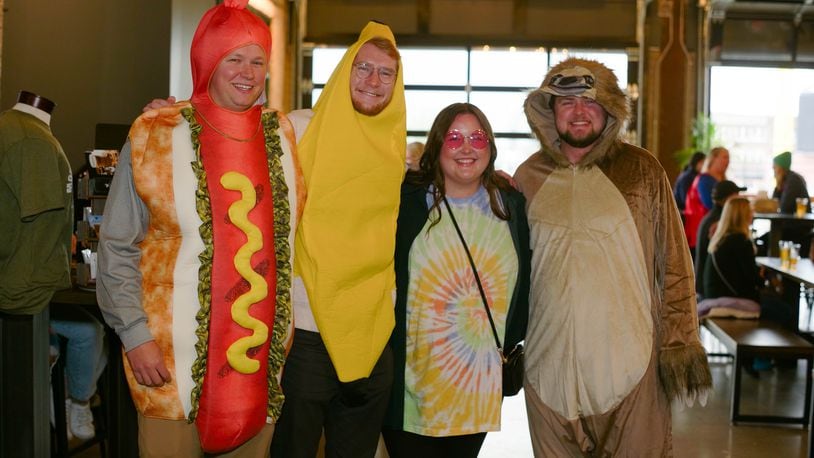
column 613, row 332
column 789, row 185
column 85, row 359
column 730, row 269
column 447, row 384
column 686, row 177
column 414, row 152
column 731, row 277
column 197, row 230
column 699, row 197
column 722, row 191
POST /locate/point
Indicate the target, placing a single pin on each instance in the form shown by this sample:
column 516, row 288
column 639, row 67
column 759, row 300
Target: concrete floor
column 701, row 432
column 698, row 432
column 707, row 433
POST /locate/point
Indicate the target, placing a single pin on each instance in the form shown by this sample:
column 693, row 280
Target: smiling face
column 579, row 120
column 240, row 78
column 370, row 95
column 463, row 163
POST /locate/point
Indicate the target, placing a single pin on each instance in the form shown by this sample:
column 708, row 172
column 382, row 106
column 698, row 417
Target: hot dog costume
column 196, row 247
column 613, row 334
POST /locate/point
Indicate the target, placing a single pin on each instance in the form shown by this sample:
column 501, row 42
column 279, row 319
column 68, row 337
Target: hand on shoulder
column 158, row 103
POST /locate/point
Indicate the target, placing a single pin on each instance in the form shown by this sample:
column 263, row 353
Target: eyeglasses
column 454, row 139
column 363, row 70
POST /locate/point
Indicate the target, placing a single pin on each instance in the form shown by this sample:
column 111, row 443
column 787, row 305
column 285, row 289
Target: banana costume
column 353, row 165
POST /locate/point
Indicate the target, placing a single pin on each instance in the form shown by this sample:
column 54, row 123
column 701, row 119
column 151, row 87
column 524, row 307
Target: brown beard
column 372, row 111
column 588, row 140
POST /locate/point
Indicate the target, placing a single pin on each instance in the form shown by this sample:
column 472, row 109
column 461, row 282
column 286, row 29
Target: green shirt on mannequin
column 36, row 214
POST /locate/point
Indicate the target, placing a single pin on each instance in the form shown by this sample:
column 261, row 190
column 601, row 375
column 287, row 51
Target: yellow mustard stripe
column 238, row 213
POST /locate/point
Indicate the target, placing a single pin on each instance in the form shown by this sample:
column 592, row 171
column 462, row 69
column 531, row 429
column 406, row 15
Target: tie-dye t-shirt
column 453, row 371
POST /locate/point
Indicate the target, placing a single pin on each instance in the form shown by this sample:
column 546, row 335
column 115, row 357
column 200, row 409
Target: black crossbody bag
column 513, row 361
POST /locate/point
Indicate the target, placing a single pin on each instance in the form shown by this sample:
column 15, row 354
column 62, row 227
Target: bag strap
column 721, row 275
column 477, row 277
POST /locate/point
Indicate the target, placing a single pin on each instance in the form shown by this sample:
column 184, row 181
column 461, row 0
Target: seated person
column 789, row 185
column 722, row 191
column 732, row 280
column 85, row 358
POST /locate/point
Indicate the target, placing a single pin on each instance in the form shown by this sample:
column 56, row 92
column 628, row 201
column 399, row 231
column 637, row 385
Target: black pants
column 351, row 414
column 402, row 444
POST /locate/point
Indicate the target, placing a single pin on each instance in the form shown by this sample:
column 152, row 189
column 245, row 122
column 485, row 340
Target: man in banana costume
column 352, row 147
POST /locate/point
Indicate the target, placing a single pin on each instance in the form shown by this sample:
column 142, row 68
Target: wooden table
column 777, row 221
column 803, row 273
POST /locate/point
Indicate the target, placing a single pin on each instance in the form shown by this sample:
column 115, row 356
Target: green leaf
column 703, row 136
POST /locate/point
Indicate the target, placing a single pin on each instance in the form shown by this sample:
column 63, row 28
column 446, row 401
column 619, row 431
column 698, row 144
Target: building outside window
column 759, row 113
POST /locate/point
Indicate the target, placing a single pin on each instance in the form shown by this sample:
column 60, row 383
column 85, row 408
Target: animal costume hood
column 604, row 88
column 612, row 326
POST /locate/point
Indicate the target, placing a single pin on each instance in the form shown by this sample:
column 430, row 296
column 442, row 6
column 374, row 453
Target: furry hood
column 590, row 79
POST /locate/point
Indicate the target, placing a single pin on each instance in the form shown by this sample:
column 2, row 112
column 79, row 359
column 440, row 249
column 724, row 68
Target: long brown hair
column 430, row 172
column 735, row 219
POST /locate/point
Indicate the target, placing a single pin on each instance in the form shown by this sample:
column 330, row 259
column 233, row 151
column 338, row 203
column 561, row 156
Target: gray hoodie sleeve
column 118, row 281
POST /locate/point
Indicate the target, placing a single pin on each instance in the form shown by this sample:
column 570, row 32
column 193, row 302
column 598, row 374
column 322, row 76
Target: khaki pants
column 176, row 438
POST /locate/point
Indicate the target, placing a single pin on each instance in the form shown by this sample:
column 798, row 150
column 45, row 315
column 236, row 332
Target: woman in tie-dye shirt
column 447, row 384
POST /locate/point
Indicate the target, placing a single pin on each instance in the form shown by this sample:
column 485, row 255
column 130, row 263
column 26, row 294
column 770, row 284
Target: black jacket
column 735, row 257
column 413, row 215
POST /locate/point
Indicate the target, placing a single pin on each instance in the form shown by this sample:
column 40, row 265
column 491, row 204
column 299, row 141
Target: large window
column 759, row 113
column 496, row 80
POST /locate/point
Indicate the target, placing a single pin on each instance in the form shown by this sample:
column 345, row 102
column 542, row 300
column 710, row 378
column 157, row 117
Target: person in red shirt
column 699, row 197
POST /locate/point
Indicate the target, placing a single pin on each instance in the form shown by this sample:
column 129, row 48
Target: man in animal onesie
column 195, row 251
column 613, row 333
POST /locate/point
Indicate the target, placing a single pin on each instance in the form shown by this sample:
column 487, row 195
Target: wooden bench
column 747, row 339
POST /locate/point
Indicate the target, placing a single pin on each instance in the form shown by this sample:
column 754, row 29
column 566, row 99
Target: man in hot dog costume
column 195, row 251
column 613, row 333
column 352, row 150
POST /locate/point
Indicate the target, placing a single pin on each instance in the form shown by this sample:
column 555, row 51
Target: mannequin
column 35, row 105
column 36, row 207
column 36, row 216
